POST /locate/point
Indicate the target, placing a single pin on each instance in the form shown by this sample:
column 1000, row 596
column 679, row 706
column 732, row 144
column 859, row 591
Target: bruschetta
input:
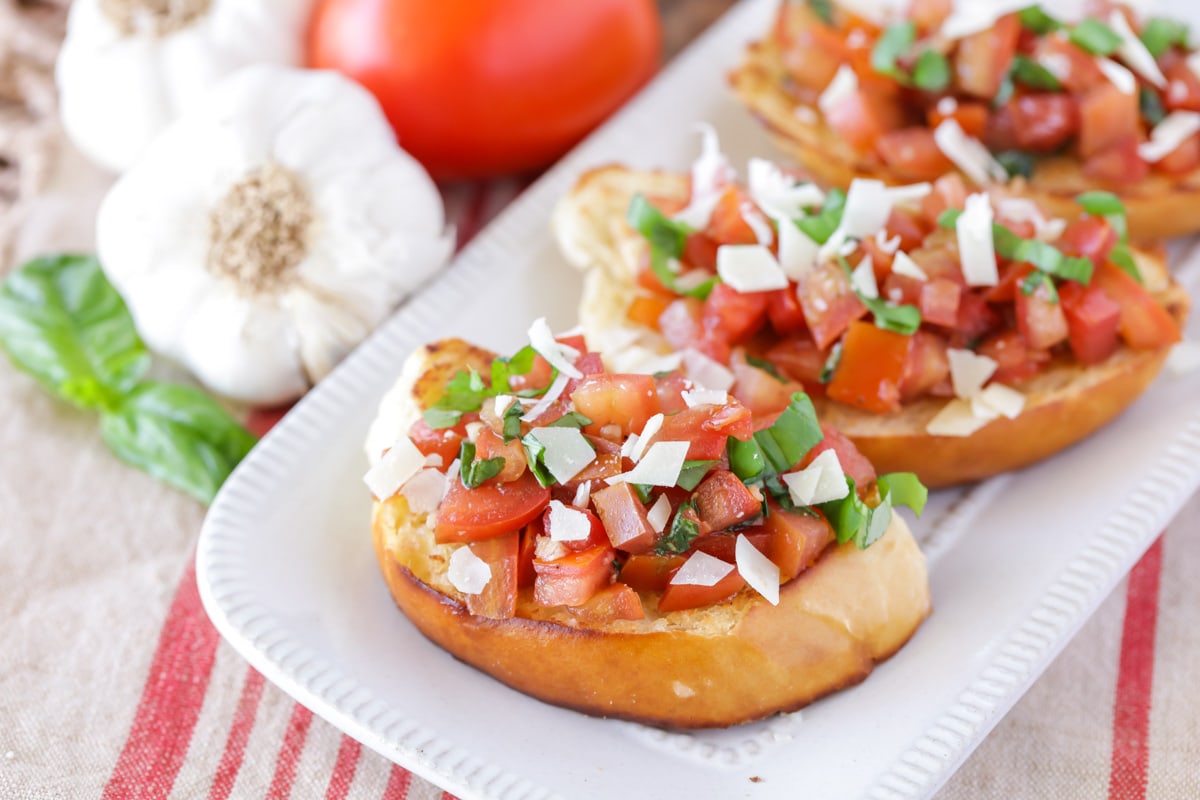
column 633, row 546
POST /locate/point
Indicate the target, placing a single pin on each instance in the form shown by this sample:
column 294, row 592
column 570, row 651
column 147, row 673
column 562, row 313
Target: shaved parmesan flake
column 1133, row 52
column 706, row 372
column 862, row 279
column 640, row 360
column 452, row 471
column 885, row 244
column 797, row 252
column 433, row 460
column 546, row 549
column 1000, row 399
column 566, row 524
column 1118, row 76
column 628, row 446
column 821, row 481
column 1193, row 64
column 759, row 571
column 902, row 264
column 1167, row 135
column 468, row 572
column 398, row 464
column 968, row 154
column 567, row 451
column 692, row 279
column 705, row 397
column 547, row 400
column 780, row 196
column 560, row 356
column 659, row 467
column 969, row 371
column 973, row 16
column 583, row 495
column 659, row 513
column 843, row 86
column 501, row 403
column 869, row 203
column 652, row 426
column 710, row 173
column 947, row 106
column 749, row 268
column 763, row 232
column 955, row 419
column 473, row 429
column 701, row 569
column 424, row 491
column 1020, row 209
column 976, row 247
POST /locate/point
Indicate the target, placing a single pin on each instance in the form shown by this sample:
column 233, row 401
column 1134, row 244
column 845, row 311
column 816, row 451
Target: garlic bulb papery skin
column 127, row 68
column 268, row 230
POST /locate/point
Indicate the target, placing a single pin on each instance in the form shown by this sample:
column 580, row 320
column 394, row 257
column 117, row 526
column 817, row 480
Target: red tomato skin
column 498, row 600
column 528, row 78
column 829, row 303
column 1107, row 117
column 1040, row 318
column 1090, row 237
column 1015, row 361
column 871, row 368
column 624, row 400
column 785, row 312
column 468, row 515
column 648, row 572
column 928, row 367
column 722, row 500
column 573, row 579
column 1045, row 122
column 624, row 518
column 732, row 315
column 971, row 117
column 913, row 154
column 1144, row 325
column 862, row 117
column 983, row 58
column 853, row 462
column 796, row 539
column 1092, row 321
column 799, row 358
column 444, row 442
column 615, row 601
column 939, row 301
column 678, row 596
column 1119, row 165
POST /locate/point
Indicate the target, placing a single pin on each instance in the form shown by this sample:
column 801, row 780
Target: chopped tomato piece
column 707, row 428
column 816, row 50
column 1090, row 237
column 498, row 600
column 1119, row 165
column 1014, row 360
column 1092, row 321
column 939, row 301
column 1183, row 87
column 680, row 326
column 489, row 444
column 444, row 442
column 785, row 312
column 624, row 400
column 624, row 518
column 645, row 309
column 1145, row 324
column 700, row 251
column 727, row 224
column 971, row 117
column 871, row 368
column 1107, row 117
column 723, row 544
column 800, row 359
column 597, row 535
column 928, row 367
column 722, row 500
column 1183, row 159
column 678, row 596
column 528, row 547
column 1045, row 121
column 829, row 303
column 733, row 315
column 797, row 538
column 616, row 601
column 1076, row 70
column 648, row 572
column 984, row 58
column 861, row 117
column 975, row 316
column 493, row 509
column 948, row 192
column 670, row 392
column 1011, row 275
column 758, row 390
column 913, row 154
column 1040, row 318
column 909, row 226
column 853, row 462
column 573, row 579
column 538, row 376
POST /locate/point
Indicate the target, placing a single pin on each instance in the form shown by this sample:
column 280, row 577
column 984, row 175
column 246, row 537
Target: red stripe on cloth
column 289, row 753
column 448, row 796
column 475, row 214
column 171, row 700
column 1135, row 680
column 398, row 782
column 343, row 769
column 239, row 733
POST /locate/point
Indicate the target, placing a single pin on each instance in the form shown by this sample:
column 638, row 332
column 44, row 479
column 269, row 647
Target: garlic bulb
column 269, row 230
column 129, row 67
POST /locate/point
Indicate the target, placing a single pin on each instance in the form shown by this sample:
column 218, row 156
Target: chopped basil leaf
column 1049, row 258
column 473, row 472
column 831, row 362
column 666, row 238
column 1038, row 278
column 466, row 391
column 823, row 9
column 683, row 531
column 1017, row 163
column 572, row 419
column 519, row 364
column 767, row 367
column 535, row 455
column 819, row 227
column 1150, row 105
column 1160, row 35
column 904, row 489
column 792, row 435
column 745, row 458
column 931, row 72
column 643, row 491
column 692, row 473
column 1033, row 74
column 897, row 39
column 1036, row 20
column 904, row 319
column 1005, row 92
column 438, row 418
column 1100, row 204
column 1095, row 37
column 512, row 422
column 949, row 218
column 1123, row 258
column 853, row 520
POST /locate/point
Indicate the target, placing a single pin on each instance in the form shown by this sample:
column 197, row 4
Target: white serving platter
column 1018, row 563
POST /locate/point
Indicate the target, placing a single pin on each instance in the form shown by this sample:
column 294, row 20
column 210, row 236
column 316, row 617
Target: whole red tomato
column 487, row 87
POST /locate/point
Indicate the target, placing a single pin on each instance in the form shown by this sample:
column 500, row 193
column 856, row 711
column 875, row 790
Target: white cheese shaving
column 629, row 445
column 452, row 471
column 424, row 491
column 759, row 571
column 974, row 16
column 691, row 279
column 798, row 253
column 869, row 203
column 763, row 232
column 1118, row 75
column 473, row 429
column 780, row 196
column 1133, row 52
column 545, row 401
column 659, row 513
column 1174, row 130
column 885, row 244
column 976, row 245
column 560, row 356
column 652, row 426
column 701, row 569
column 501, row 403
column 660, row 466
column 955, row 419
column 567, row 451
column 999, row 399
column 710, row 173
column 1021, row 209
column 468, row 572
column 705, row 397
column 706, row 372
column 433, row 460
column 968, row 154
column 640, row 360
column 583, row 495
column 394, row 468
column 947, row 106
column 749, row 268
column 969, row 371
column 1193, row 63
column 843, row 86
column 862, row 279
column 902, row 264
column 566, row 524
column 546, row 549
column 821, row 481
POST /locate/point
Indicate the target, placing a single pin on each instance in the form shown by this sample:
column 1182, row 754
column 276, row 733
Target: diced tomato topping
column 623, row 400
column 596, row 532
column 678, row 596
column 489, row 444
column 829, row 303
column 1076, row 70
column 573, row 579
column 645, row 308
column 759, row 390
column 444, row 442
column 616, row 601
column 648, row 572
column 670, row 392
column 1015, row 361
column 526, row 551
column 707, row 428
column 971, row 117
column 722, row 500
column 1090, row 237
column 1107, row 117
column 1183, row 87
column 1092, row 321
column 871, row 368
column 1045, row 121
column 493, row 509
column 723, row 544
column 1011, row 276
column 909, row 226
column 624, row 518
column 727, row 224
column 1183, row 159
column 853, row 462
column 862, row 116
column 700, row 251
column 913, row 154
column 1040, row 318
column 927, row 369
column 785, row 312
column 975, row 316
column 538, row 376
column 1144, row 323
column 984, row 58
column 797, row 538
column 939, row 301
column 800, row 359
column 681, row 327
column 948, row 192
column 498, row 600
column 733, row 315
column 1119, row 165
column 816, row 50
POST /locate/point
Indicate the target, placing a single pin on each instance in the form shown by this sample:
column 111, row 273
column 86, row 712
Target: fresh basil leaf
column 1006, row 242
column 520, row 363
column 745, row 458
column 904, row 489
column 1036, row 279
column 535, row 456
column 472, row 471
column 1017, row 163
column 767, row 367
column 642, row 490
column 1160, row 35
column 948, row 219
column 511, row 423
column 931, row 72
column 692, row 473
column 1150, row 106
column 894, row 43
column 1049, row 258
column 831, row 362
column 904, row 319
column 1123, row 258
column 1095, row 37
column 1029, row 72
column 1038, row 21
column 791, row 436
column 572, row 419
column 438, row 418
column 663, row 233
column 853, row 520
column 820, row 226
column 823, row 9
column 683, row 531
column 177, row 434
column 1005, row 91
column 1100, row 204
column 62, row 322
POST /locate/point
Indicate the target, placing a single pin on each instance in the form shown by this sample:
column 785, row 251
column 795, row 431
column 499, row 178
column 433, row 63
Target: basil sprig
column 1029, row 72
column 1109, row 206
column 1095, row 37
column 1160, row 35
column 62, row 322
column 667, row 238
column 692, row 472
column 823, row 9
column 821, row 225
column 472, row 471
column 774, row 450
column 894, row 43
column 467, row 390
column 852, row 519
column 1036, row 20
column 683, row 531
